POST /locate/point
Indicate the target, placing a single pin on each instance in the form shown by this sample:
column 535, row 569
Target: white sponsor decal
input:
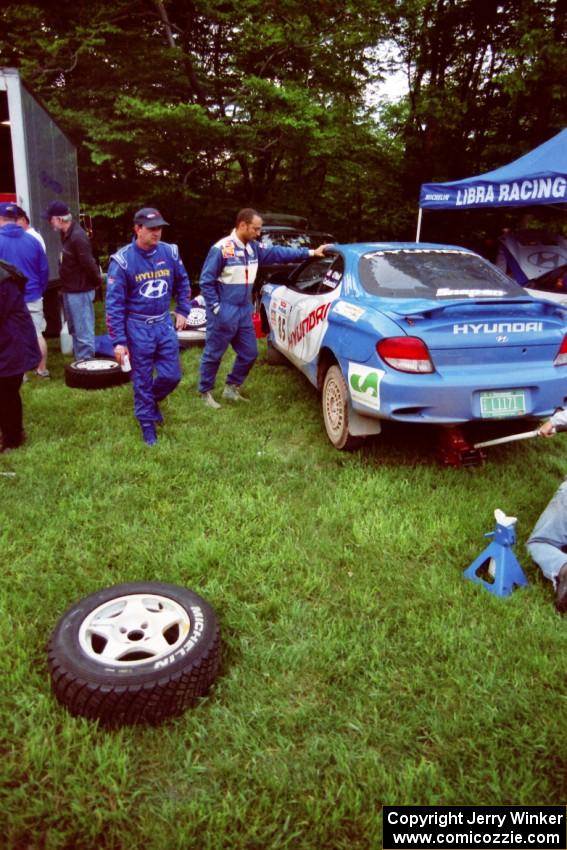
column 306, row 323
column 541, row 188
column 364, row 384
column 417, row 251
column 349, row 311
column 499, row 328
column 445, row 291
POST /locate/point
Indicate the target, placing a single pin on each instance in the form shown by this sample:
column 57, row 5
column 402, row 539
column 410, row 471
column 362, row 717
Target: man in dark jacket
column 19, row 352
column 79, row 275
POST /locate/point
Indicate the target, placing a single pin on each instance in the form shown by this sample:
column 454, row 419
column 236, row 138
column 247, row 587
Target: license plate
column 496, row 405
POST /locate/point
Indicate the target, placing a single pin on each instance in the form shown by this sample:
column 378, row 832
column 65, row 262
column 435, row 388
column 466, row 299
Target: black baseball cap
column 149, row 217
column 56, row 208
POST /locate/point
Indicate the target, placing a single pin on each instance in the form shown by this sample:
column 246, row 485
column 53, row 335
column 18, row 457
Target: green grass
column 359, row 667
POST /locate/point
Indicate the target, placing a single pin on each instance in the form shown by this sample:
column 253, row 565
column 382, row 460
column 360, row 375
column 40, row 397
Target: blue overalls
column 140, row 286
column 227, row 279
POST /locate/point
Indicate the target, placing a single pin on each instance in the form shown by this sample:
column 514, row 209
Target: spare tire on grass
column 195, row 328
column 132, row 653
column 98, row 373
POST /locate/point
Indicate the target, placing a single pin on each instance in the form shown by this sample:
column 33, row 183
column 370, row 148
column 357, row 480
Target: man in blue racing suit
column 143, row 277
column 227, row 279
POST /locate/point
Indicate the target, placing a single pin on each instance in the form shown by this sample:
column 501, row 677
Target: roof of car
column 413, row 247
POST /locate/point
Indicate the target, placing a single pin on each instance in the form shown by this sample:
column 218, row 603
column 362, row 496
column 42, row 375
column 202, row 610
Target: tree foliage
column 204, row 106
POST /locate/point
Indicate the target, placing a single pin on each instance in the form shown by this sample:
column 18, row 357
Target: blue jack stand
column 503, row 564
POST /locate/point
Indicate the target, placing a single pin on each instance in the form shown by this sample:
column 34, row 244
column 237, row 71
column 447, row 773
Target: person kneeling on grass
column 143, row 277
column 19, row 351
column 548, row 541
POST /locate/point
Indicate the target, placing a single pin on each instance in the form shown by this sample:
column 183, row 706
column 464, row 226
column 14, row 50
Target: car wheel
column 335, row 411
column 275, row 357
column 131, row 653
column 98, row 373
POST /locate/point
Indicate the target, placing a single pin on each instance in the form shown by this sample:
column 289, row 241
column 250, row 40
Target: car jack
column 455, row 450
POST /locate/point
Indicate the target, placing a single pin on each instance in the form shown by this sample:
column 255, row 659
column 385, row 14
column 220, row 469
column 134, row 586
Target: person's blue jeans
column 79, row 314
column 548, row 540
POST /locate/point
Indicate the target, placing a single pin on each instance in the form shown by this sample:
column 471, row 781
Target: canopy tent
column 538, row 177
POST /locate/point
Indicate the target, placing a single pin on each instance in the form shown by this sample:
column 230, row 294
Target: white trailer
column 38, row 163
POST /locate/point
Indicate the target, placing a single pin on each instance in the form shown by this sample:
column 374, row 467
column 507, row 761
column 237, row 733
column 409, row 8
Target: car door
column 299, row 311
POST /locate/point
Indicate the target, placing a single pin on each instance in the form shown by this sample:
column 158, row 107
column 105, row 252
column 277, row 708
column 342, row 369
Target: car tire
column 133, row 653
column 275, row 357
column 335, row 411
column 193, row 334
column 97, row 373
column 190, row 339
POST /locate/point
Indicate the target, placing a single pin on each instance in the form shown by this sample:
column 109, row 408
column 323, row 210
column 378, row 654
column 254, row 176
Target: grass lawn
column 359, row 667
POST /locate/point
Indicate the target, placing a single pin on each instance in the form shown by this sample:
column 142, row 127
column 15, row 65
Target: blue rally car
column 414, row 332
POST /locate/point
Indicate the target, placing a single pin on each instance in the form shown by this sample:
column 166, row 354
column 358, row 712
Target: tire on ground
column 190, row 339
column 133, row 653
column 193, row 334
column 335, row 411
column 98, row 373
column 274, row 356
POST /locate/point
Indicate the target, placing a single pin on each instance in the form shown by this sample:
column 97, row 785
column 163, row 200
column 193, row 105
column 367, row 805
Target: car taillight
column 405, row 353
column 561, row 359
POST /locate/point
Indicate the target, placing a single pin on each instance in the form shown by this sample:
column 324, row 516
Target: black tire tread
column 151, row 695
column 150, row 702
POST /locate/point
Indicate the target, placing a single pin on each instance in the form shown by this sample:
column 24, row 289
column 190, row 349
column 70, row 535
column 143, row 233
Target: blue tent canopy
column 538, row 177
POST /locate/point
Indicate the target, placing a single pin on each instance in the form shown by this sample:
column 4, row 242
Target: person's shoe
column 149, row 433
column 232, row 394
column 42, row 373
column 9, row 447
column 210, row 401
column 561, row 592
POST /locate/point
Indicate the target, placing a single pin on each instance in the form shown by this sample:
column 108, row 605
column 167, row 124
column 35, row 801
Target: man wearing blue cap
column 23, row 251
column 79, row 275
column 143, row 277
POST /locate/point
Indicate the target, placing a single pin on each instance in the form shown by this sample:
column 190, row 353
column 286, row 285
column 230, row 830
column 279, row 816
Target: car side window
column 333, row 276
column 320, row 276
column 309, row 279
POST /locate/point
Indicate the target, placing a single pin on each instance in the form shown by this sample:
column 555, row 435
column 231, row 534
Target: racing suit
column 140, row 286
column 227, row 279
column 548, row 541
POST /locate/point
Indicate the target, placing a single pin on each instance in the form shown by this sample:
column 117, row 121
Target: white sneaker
column 231, row 392
column 210, row 401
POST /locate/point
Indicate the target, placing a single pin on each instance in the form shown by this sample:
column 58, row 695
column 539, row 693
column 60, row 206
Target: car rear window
column 442, row 274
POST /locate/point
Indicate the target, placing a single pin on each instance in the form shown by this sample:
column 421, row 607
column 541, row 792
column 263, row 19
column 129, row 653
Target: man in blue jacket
column 25, row 252
column 227, row 279
column 19, row 352
column 142, row 279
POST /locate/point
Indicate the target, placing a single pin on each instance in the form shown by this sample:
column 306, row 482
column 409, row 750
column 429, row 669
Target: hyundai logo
column 154, row 288
column 501, row 339
column 546, row 259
